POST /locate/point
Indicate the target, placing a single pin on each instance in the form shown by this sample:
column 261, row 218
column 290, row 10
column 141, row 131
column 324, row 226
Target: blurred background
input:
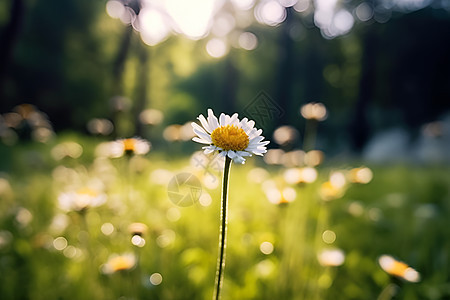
column 353, row 95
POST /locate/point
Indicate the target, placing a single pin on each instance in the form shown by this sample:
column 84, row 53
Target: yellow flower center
column 230, row 137
column 129, row 145
column 120, row 263
column 87, row 192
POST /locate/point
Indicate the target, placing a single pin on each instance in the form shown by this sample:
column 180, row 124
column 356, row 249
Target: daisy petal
column 205, row 124
column 203, row 135
column 234, row 119
column 199, row 140
column 222, row 119
column 212, row 120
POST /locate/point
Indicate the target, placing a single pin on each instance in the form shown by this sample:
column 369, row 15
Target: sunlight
column 216, row 48
column 270, row 13
column 192, row 18
column 153, row 26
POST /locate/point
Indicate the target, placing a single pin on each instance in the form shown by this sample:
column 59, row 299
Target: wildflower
column 118, row 263
column 134, row 146
column 81, row 199
column 314, row 111
column 360, row 175
column 397, row 268
column 137, row 229
column 231, row 137
column 120, row 147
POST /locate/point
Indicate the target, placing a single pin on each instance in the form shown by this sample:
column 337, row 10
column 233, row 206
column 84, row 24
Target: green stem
column 223, row 229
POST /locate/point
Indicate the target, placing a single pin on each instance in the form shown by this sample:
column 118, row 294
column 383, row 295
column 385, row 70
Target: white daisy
column 231, row 137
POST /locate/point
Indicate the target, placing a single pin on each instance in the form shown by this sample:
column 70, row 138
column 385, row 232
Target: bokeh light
column 216, row 47
column 270, row 12
column 156, row 279
column 266, row 248
column 331, row 257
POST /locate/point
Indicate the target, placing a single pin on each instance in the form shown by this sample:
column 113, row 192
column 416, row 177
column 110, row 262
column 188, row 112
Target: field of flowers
column 80, row 219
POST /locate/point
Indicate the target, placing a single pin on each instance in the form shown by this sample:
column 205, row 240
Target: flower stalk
column 223, row 230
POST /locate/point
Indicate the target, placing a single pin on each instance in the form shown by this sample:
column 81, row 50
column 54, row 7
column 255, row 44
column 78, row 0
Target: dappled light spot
column 309, row 174
column 156, row 279
column 360, row 175
column 166, row 238
column 265, row 268
column 276, row 195
column 23, row 216
column 186, row 133
column 223, row 24
column 210, row 181
column 100, row 126
column 173, row 214
column 248, row 41
column 266, row 248
column 293, row 175
column 337, row 179
column 313, row 158
column 330, row 192
column 343, row 21
column 172, row 133
column 115, row 9
column 294, row 158
column 364, row 11
column 5, row 238
column 192, row 18
column 288, row 3
column 257, row 175
column 331, row 257
column 356, row 209
column 107, row 228
column 396, row 199
column 153, row 26
column 161, row 176
column 300, row 175
column 273, row 156
column 216, row 48
column 302, row 5
column 375, row 214
column 205, row 200
column 151, row 116
column 243, row 4
column 329, row 236
column 120, row 103
column 72, row 252
column 60, row 243
column 42, row 134
column 286, row 134
column 138, row 241
column 59, row 223
column 5, row 187
column 270, row 13
column 67, row 149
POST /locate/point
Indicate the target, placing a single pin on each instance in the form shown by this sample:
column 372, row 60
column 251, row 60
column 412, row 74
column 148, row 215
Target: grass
column 404, row 212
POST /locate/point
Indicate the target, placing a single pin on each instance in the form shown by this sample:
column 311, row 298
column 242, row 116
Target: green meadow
column 287, row 238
